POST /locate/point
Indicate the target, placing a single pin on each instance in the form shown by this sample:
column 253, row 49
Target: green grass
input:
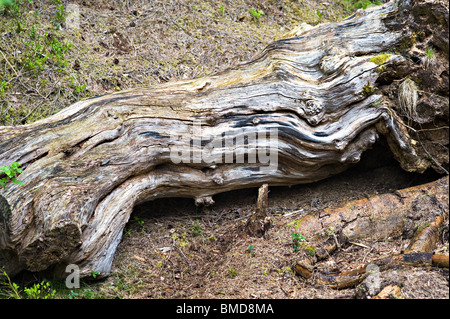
column 232, row 272
column 429, row 52
column 196, row 229
column 256, row 13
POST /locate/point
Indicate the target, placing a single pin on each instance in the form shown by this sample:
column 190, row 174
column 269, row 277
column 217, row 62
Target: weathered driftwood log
column 306, row 108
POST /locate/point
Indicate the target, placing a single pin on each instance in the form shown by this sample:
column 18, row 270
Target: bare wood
column 377, row 217
column 389, row 292
column 426, row 239
column 352, row 278
column 262, row 202
column 259, row 222
column 86, row 167
column 374, row 219
column 440, row 260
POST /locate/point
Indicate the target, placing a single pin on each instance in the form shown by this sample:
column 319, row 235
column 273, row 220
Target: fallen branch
column 379, row 217
column 384, row 216
column 352, row 278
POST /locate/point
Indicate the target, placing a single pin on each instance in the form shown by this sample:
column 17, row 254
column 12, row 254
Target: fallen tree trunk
column 304, row 109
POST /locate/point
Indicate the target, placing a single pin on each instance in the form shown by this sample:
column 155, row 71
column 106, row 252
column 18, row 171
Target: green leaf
column 11, row 171
column 4, row 3
column 15, row 181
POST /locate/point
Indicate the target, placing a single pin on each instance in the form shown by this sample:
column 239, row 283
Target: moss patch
column 380, row 59
column 407, row 42
column 367, row 89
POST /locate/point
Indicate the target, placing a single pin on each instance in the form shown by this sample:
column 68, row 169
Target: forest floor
column 171, row 248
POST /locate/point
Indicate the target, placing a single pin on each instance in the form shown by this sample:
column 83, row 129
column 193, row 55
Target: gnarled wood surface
column 327, row 93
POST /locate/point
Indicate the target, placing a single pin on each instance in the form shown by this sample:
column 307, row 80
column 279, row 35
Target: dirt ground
column 116, row 45
column 170, row 247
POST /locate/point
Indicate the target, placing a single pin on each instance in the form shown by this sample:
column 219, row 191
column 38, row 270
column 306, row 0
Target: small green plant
column 12, row 7
column 232, row 272
column 297, row 238
column 60, row 16
column 11, row 171
column 138, row 220
column 196, row 229
column 58, row 50
column 222, row 10
column 94, row 274
column 250, row 250
column 140, row 223
column 256, row 13
column 80, row 88
column 40, row 290
column 375, row 104
column 73, row 295
column 429, row 52
column 311, row 250
column 86, row 294
column 428, row 60
column 42, row 51
column 319, row 14
column 20, row 27
column 8, row 288
column 36, row 58
column 364, row 4
column 4, row 3
column 32, row 33
column 3, row 86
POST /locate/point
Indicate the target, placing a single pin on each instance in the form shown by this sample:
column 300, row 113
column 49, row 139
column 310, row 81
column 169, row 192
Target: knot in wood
column 218, row 179
column 204, row 201
column 312, row 108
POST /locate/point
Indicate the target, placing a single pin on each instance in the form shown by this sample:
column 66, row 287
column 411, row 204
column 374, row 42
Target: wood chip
column 139, row 258
column 389, row 292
